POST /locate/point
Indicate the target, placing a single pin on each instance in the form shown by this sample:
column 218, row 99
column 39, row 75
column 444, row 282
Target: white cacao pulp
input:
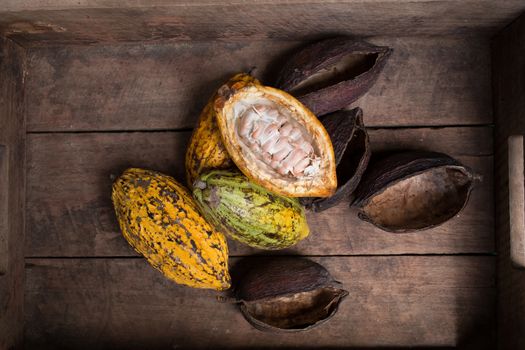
column 277, row 139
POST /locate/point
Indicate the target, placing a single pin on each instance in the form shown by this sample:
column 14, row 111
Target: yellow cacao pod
column 160, row 220
column 206, row 150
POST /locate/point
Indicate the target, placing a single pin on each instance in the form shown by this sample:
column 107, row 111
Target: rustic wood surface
column 438, row 81
column 70, row 212
column 123, row 303
column 46, row 5
column 86, row 288
column 12, row 195
column 508, row 56
column 89, row 21
column 428, row 81
column 4, row 207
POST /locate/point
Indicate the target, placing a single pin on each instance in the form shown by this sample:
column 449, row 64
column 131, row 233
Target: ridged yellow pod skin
column 160, row 220
column 206, row 151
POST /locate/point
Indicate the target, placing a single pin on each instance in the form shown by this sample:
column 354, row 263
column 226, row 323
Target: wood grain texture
column 456, row 141
column 516, row 201
column 431, row 82
column 125, row 304
column 12, row 195
column 508, row 55
column 428, row 81
column 70, row 213
column 4, row 209
column 66, row 22
column 147, row 86
column 45, row 5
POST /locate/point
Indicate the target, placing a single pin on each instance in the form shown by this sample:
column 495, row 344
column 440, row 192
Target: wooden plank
column 516, row 201
column 46, row 5
column 393, row 301
column 12, row 194
column 70, row 212
column 457, row 141
column 431, row 82
column 148, row 87
column 508, row 55
column 428, row 81
column 67, row 22
column 4, row 209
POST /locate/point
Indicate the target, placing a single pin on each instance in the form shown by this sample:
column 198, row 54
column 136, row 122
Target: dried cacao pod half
column 288, row 294
column 275, row 141
column 352, row 153
column 206, row 150
column 248, row 212
column 330, row 74
column 161, row 221
column 414, row 190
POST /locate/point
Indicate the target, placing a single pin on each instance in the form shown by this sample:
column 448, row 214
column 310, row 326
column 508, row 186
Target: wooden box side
column 12, row 194
column 91, row 21
column 508, row 59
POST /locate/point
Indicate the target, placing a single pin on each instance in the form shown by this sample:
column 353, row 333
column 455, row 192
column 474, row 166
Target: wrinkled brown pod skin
column 279, row 280
column 339, row 90
column 352, row 153
column 413, row 190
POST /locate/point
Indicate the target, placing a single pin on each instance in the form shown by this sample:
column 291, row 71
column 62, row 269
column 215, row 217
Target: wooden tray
column 89, row 88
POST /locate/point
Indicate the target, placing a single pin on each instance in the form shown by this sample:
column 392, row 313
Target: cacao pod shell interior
column 352, row 153
column 413, row 191
column 330, row 74
column 288, row 294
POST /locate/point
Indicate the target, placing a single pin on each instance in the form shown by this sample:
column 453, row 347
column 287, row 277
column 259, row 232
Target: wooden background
column 508, row 57
column 92, row 111
column 12, row 194
column 45, row 22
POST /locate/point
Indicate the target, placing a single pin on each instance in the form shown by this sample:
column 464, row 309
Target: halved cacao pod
column 206, row 150
column 276, row 141
column 413, row 191
column 160, row 220
column 330, row 74
column 288, row 294
column 248, row 212
column 352, row 153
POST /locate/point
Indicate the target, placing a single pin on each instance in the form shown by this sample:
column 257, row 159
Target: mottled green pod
column 248, row 212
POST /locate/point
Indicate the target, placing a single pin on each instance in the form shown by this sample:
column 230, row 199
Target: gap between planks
column 368, row 127
column 261, row 254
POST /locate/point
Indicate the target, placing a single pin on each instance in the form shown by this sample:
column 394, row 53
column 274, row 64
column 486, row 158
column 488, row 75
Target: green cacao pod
column 160, row 219
column 248, row 212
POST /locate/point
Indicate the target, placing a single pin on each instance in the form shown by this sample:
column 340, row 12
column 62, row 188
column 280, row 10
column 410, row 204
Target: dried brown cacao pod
column 330, row 74
column 413, row 190
column 288, row 294
column 352, row 153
